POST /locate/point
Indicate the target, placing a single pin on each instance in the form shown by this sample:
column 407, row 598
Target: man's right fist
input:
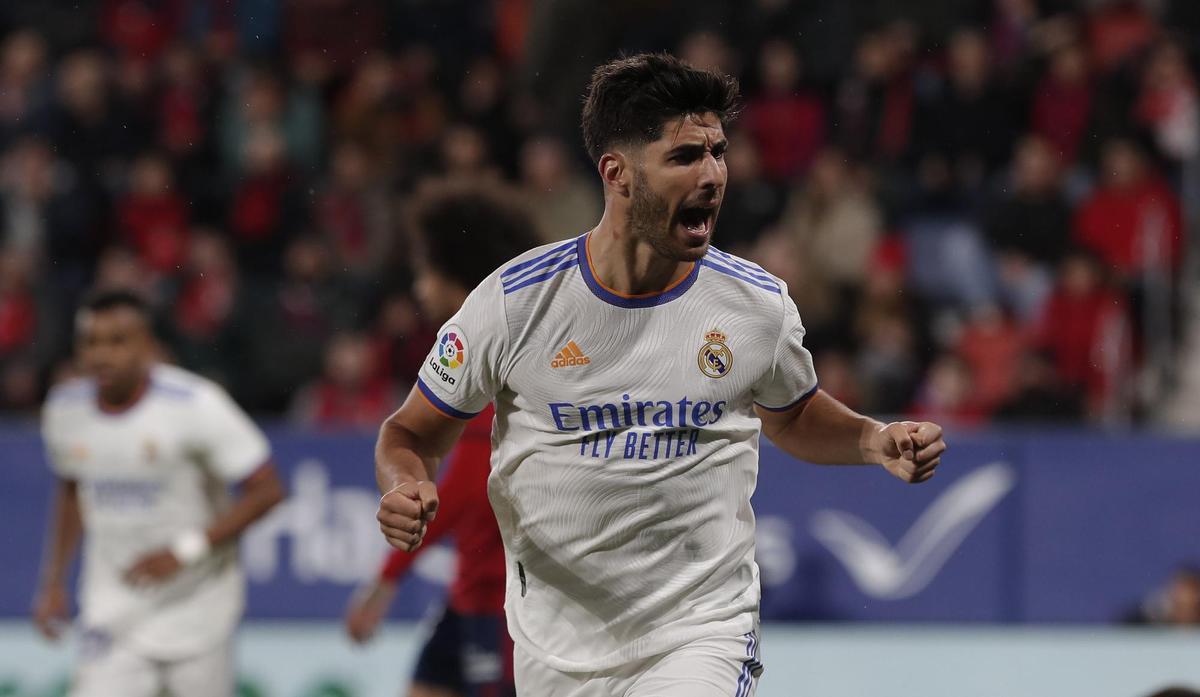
column 404, row 511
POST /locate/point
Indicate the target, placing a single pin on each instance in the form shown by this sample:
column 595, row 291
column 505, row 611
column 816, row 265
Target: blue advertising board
column 1015, row 527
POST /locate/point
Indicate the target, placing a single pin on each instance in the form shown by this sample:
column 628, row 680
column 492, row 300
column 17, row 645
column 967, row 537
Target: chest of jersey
column 667, row 372
column 127, row 463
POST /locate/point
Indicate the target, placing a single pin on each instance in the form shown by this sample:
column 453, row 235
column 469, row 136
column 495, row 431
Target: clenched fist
column 405, row 511
column 909, row 450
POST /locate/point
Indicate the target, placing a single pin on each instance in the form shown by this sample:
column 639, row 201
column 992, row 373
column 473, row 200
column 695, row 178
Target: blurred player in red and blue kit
column 463, row 233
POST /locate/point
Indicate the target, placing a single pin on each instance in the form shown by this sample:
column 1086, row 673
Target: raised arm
column 824, row 431
column 411, row 442
column 50, row 605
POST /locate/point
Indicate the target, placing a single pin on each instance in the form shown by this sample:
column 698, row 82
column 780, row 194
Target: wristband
column 190, row 547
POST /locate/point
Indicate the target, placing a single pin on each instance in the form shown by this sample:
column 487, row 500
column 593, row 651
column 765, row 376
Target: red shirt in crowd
column 1115, row 224
column 466, row 513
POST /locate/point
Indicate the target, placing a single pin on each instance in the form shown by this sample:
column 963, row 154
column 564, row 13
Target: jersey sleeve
column 54, row 443
column 791, row 379
column 461, row 373
column 232, row 445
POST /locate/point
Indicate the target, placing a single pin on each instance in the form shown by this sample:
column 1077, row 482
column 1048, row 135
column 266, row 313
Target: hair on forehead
column 107, row 300
column 631, row 99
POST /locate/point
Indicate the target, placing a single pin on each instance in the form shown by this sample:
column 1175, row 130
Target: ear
column 616, row 172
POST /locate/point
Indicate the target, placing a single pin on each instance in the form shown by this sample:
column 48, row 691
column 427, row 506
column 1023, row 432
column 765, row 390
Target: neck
column 118, row 399
column 626, row 264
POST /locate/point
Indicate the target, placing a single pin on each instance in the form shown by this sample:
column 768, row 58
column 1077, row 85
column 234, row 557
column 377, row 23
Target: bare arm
column 411, row 442
column 50, row 605
column 826, row 432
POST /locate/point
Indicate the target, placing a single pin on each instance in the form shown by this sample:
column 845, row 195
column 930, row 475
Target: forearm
column 397, row 460
column 259, row 493
column 826, row 432
column 66, row 529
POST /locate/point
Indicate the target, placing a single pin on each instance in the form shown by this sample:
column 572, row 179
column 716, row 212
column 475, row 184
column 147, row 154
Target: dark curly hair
column 466, row 231
column 630, row 99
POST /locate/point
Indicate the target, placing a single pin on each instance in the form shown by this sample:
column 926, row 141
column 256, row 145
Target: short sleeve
column 461, row 373
column 52, row 439
column 791, row 379
column 232, row 445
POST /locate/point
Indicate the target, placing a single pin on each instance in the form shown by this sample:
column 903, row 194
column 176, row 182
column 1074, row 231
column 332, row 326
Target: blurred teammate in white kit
column 144, row 454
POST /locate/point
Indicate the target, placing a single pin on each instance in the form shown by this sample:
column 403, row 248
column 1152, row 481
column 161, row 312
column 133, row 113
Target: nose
column 712, row 174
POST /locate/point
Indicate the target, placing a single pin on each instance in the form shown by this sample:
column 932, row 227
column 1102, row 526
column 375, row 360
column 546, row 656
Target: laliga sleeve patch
column 448, row 359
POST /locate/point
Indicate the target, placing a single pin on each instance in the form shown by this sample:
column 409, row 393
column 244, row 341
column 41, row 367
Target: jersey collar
column 612, row 297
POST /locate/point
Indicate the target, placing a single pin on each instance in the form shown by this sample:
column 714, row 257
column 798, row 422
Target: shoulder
column 731, row 270
column 68, row 396
column 174, row 383
column 537, row 266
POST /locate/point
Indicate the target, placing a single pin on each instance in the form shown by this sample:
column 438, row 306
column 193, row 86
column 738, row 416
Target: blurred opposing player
column 144, row 453
column 633, row 370
column 469, row 652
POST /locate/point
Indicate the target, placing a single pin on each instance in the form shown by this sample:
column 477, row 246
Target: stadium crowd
column 1016, row 169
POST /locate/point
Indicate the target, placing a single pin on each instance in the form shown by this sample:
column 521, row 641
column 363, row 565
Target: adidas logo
column 570, row 355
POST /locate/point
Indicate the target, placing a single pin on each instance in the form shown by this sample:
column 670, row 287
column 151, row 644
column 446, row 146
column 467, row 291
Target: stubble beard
column 649, row 220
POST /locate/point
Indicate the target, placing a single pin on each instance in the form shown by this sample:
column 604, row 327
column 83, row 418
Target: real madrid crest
column 715, row 358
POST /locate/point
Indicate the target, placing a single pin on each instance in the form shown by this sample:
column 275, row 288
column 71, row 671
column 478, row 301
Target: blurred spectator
column 785, row 118
column 829, row 230
column 205, row 331
column 400, row 339
column 293, row 317
column 1085, row 330
column 752, row 203
column 48, row 211
column 948, row 394
column 18, row 309
column 967, row 123
column 1133, row 220
column 1167, row 103
column 876, row 101
column 261, row 103
column 838, row 377
column 353, row 211
column 708, row 50
column 888, row 325
column 1037, row 394
column 991, row 346
column 349, row 394
column 152, row 217
column 267, row 207
column 464, row 155
column 87, row 127
column 483, row 102
column 1118, row 31
column 339, row 32
column 1063, row 102
column 1028, row 226
column 139, row 29
column 563, row 203
column 23, row 87
column 1012, row 23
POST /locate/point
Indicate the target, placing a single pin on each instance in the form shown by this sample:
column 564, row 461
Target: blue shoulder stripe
column 563, row 263
column 176, row 391
column 526, row 264
column 532, row 270
column 743, row 266
column 440, row 404
column 712, row 264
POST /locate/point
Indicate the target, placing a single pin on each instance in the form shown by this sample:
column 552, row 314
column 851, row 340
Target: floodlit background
column 985, row 209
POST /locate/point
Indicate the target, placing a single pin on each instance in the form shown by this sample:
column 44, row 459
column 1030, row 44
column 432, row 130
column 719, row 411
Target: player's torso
column 626, row 440
column 140, row 478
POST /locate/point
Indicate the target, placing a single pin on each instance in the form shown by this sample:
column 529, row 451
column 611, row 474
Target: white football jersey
column 145, row 475
column 625, row 445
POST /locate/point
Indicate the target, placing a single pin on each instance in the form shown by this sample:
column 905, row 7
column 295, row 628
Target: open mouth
column 697, row 220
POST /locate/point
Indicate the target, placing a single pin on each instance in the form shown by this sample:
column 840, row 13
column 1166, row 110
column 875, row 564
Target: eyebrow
column 694, row 148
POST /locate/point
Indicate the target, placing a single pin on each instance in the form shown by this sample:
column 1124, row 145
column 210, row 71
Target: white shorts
column 114, row 669
column 712, row 667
